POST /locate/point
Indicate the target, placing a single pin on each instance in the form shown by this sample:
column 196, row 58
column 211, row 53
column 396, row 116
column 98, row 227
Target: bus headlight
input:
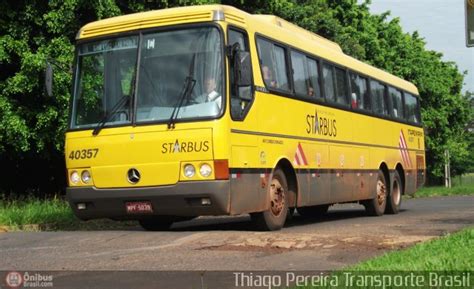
column 189, row 171
column 205, row 170
column 74, row 177
column 86, row 176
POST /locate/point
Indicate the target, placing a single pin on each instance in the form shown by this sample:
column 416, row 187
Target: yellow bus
column 209, row 110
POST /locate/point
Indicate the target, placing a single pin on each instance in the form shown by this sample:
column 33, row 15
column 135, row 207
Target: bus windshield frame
column 138, row 78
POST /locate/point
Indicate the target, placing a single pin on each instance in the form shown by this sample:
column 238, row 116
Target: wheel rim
column 277, row 197
column 381, row 192
column 396, row 193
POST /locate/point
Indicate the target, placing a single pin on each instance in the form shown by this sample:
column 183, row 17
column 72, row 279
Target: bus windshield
column 110, row 89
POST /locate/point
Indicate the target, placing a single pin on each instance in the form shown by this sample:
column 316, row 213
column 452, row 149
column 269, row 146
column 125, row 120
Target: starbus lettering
column 185, row 147
column 320, row 125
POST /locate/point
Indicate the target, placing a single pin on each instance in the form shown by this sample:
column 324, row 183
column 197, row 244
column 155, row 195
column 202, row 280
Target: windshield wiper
column 188, row 87
column 112, row 112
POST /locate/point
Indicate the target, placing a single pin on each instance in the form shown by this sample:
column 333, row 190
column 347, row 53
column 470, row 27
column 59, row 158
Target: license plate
column 138, row 207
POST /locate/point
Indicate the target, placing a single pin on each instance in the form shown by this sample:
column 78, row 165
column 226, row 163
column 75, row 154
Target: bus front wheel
column 377, row 205
column 274, row 218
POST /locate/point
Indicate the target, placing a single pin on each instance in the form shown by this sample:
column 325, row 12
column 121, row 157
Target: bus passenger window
column 378, row 94
column 397, row 105
column 300, row 75
column 328, row 77
column 314, row 85
column 280, row 68
column 359, row 92
column 365, row 104
column 341, row 86
column 412, row 110
column 273, row 64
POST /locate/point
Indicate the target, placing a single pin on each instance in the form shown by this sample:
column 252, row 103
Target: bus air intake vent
column 234, row 18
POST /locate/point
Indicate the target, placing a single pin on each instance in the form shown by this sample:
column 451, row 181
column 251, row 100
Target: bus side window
column 273, row 65
column 378, row 95
column 329, row 85
column 397, row 105
column 365, row 93
column 314, row 81
column 238, row 106
column 412, row 111
column 305, row 76
column 359, row 92
column 341, row 86
column 301, row 81
column 417, row 111
column 238, row 37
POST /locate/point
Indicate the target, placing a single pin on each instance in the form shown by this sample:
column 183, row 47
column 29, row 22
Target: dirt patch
column 281, row 244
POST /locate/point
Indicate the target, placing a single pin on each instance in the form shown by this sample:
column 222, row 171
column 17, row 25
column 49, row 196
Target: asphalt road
column 345, row 236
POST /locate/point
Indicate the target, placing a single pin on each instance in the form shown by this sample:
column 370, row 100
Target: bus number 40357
column 83, row 154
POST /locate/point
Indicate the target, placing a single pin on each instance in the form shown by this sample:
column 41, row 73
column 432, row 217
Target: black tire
column 274, row 218
column 394, row 199
column 377, row 205
column 313, row 211
column 156, row 223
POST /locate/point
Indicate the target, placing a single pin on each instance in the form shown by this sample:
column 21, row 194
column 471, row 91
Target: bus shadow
column 244, row 223
column 332, row 216
column 234, row 223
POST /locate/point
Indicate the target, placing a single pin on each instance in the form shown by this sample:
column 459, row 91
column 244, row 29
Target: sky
column 441, row 23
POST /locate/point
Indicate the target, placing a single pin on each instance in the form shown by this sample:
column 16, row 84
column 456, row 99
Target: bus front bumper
column 182, row 199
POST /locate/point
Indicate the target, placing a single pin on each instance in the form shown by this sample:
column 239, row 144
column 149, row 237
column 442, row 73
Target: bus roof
column 268, row 25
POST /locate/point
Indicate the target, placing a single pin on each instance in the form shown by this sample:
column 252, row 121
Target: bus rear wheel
column 274, row 218
column 313, row 211
column 377, row 205
column 394, row 199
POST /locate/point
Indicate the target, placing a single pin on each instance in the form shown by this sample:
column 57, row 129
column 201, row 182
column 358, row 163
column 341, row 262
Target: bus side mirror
column 48, row 79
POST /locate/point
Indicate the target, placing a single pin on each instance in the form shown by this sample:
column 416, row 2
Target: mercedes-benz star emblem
column 133, row 176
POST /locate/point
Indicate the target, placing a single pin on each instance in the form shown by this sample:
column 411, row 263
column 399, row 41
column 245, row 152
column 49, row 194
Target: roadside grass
column 448, row 255
column 453, row 252
column 467, row 189
column 32, row 214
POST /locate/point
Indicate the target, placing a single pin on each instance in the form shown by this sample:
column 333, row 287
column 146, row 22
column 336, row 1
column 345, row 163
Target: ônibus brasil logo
column 14, row 279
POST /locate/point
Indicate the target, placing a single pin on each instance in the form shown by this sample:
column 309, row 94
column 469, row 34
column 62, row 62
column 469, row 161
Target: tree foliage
column 32, row 125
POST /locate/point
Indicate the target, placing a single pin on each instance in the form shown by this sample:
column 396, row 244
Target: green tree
column 32, row 125
column 465, row 164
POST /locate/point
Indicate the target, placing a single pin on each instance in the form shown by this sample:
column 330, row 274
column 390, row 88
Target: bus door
column 247, row 195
